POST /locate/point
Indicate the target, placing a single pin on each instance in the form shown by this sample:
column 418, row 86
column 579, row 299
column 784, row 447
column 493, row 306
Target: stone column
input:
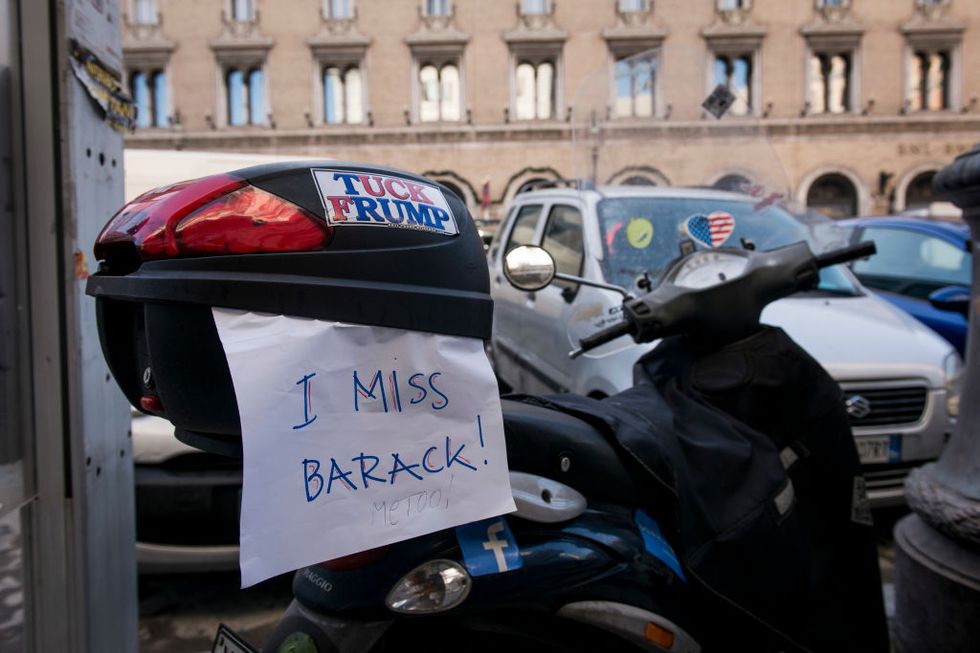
column 937, row 574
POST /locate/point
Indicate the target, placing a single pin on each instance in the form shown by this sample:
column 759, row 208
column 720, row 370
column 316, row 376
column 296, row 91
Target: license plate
column 226, row 641
column 880, row 449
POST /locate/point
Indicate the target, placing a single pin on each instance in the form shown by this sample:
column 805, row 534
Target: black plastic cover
column 158, row 316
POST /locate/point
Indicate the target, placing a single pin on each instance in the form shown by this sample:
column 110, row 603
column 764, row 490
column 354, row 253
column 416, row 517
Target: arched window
column 455, row 189
column 635, row 78
column 638, row 180
column 342, row 95
column 534, row 7
column 735, row 73
column 833, row 195
column 158, row 82
column 919, row 193
column 449, row 92
column 256, row 96
column 734, row 183
column 439, row 93
column 534, row 91
column 531, row 184
column 237, row 107
column 929, row 83
column 245, row 96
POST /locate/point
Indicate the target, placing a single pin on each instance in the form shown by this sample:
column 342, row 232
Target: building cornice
column 552, row 131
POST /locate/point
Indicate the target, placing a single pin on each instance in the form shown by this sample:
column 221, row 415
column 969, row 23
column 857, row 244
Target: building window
column 534, row 7
column 635, row 82
column 833, row 195
column 632, row 6
column 343, row 95
column 436, row 7
column 149, row 93
column 831, row 3
column 145, row 12
column 534, row 90
column 439, row 93
column 734, row 4
column 830, row 83
column 919, row 194
column 929, row 80
column 734, row 183
column 338, row 9
column 735, row 73
column 638, row 180
column 243, row 11
column 245, row 96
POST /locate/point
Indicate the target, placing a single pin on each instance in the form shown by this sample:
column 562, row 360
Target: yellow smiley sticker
column 639, row 233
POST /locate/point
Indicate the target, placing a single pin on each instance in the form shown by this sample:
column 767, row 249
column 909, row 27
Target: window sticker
column 639, row 233
column 710, row 230
column 376, row 200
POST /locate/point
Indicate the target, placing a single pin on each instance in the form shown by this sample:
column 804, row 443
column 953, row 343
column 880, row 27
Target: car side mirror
column 952, row 298
column 529, row 268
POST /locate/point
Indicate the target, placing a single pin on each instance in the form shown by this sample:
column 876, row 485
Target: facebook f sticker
column 488, row 547
column 655, row 544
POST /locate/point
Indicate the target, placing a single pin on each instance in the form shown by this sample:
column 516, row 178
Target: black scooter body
column 708, row 446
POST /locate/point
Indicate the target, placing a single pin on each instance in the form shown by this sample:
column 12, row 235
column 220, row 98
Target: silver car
column 187, row 502
column 899, row 379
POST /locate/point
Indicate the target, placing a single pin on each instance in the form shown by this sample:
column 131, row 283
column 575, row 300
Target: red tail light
column 355, row 560
column 211, row 216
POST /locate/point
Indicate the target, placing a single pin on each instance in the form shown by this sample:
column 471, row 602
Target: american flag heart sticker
column 711, row 230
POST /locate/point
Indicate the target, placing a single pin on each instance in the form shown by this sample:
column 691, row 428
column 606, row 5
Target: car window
column 563, row 238
column 643, row 234
column 522, row 233
column 498, row 235
column 912, row 263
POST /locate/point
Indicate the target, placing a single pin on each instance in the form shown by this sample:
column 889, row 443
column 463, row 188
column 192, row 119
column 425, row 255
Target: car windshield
column 642, row 235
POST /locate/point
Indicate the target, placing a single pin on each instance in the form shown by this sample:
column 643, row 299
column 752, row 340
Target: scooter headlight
column 953, row 370
column 435, row 586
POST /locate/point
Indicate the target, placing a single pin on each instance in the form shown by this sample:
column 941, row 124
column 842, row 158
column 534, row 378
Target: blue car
column 922, row 266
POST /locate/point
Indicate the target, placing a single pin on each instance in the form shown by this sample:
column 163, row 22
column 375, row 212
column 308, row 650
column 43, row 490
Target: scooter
column 717, row 505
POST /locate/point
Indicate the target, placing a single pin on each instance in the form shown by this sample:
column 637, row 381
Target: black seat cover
column 538, row 438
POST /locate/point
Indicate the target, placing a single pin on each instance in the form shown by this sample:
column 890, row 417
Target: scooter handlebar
column 845, row 254
column 623, row 328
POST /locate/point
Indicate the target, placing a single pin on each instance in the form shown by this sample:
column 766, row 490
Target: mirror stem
column 594, row 284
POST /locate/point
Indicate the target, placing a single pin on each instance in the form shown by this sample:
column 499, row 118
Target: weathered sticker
column 366, row 199
column 639, row 233
column 860, row 504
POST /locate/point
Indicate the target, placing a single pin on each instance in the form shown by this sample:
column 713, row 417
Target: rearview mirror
column 529, row 268
column 952, row 298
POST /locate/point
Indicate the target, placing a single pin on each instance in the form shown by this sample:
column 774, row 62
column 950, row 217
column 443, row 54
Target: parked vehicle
column 899, row 380
column 187, row 502
column 920, row 265
column 702, row 518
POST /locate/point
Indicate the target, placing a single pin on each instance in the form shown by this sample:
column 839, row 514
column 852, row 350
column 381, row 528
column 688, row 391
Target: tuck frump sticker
column 359, row 198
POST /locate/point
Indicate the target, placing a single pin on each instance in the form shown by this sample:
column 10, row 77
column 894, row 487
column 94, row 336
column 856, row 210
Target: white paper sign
column 358, row 436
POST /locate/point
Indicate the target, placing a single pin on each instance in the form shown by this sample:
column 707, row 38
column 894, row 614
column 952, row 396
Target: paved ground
column 179, row 613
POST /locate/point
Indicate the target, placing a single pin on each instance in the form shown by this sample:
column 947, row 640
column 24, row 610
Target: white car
column 899, row 379
column 187, row 502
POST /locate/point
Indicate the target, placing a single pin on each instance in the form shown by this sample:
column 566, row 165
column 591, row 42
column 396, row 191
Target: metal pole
column 80, row 572
column 937, row 572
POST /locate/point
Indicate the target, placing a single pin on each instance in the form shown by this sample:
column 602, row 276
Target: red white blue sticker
column 371, row 199
column 710, row 230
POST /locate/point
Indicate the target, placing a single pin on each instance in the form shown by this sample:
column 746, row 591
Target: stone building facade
column 860, row 100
